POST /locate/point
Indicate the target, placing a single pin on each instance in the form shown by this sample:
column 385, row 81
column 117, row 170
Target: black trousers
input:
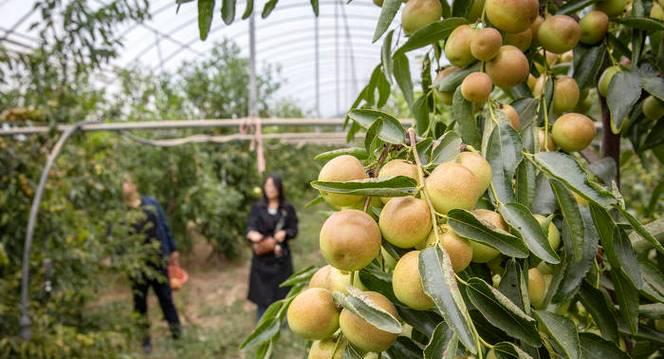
column 164, row 294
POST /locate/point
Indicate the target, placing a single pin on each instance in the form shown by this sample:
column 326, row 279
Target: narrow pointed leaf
column 594, row 347
column 401, row 69
column 205, row 15
column 391, row 132
column 420, row 111
column 507, row 350
column 405, row 348
column 248, row 9
column 442, row 344
column 465, row 224
column 228, row 11
column 504, row 155
column 641, row 230
column 394, row 186
column 387, row 13
column 588, row 61
column 362, row 306
column 624, row 91
column 268, row 7
column 437, row 31
column 597, row 304
column 447, row 148
column 628, row 299
column 563, row 333
column 465, row 119
column 358, row 152
column 513, row 285
column 386, row 56
column 315, row 7
column 521, row 220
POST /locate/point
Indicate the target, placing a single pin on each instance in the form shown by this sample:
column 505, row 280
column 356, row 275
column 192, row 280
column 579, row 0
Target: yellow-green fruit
column 445, row 97
column 405, row 221
column 491, row 354
column 475, row 10
column 363, row 335
column 485, row 43
column 459, row 249
column 573, row 131
column 512, row 115
column 452, row 185
column 476, row 87
column 559, row 33
column 594, row 27
column 342, row 168
column 566, row 94
column 521, row 40
column 313, row 314
column 567, row 57
column 323, row 349
column 479, row 166
column 339, row 281
column 611, row 7
column 398, row 168
column 534, row 28
column 481, row 252
column 457, row 46
column 656, row 12
column 653, row 108
column 545, row 145
column 321, row 279
column 552, row 233
column 509, row 68
column 546, row 268
column 388, row 260
column 551, row 59
column 420, row 13
column 407, row 284
column 536, row 288
column 659, row 325
column 605, row 80
column 532, row 80
column 584, row 105
column 511, row 15
column 349, row 240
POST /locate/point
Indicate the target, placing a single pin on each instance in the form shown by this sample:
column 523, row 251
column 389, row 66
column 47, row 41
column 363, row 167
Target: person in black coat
column 272, row 223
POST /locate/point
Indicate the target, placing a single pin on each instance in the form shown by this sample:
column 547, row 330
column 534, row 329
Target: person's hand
column 174, row 259
column 254, row 236
column 278, row 250
column 280, row 236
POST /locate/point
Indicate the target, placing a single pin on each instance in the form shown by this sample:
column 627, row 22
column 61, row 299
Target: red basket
column 177, row 276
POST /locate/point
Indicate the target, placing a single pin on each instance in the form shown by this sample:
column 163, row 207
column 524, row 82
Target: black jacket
column 268, row 271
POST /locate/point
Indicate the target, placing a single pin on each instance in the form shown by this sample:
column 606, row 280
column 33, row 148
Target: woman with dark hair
column 271, row 224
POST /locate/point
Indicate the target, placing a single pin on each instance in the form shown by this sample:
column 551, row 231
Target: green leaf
column 465, row 224
column 405, row 348
column 452, row 81
column 391, row 131
column 574, row 6
column 655, row 137
column 228, row 11
column 358, row 152
column 443, row 343
column 440, row 284
column 447, row 148
column 507, row 350
column 521, row 220
column 526, row 181
column 465, row 119
column 461, row 7
column 504, row 155
column 384, row 90
column 513, row 284
column 387, row 13
column 641, row 230
column 431, row 33
column 371, row 139
column 386, row 56
column 572, row 216
column 205, row 15
column 597, row 304
column 248, row 9
column 314, row 202
column 594, row 347
column 565, row 169
column 562, row 331
column 424, row 149
column 588, row 61
column 641, row 23
column 653, row 85
column 544, row 201
column 420, row 111
column 362, row 306
column 268, row 326
column 401, row 68
column 394, row 186
column 378, row 281
column 268, row 7
column 653, row 286
column 301, row 276
column 352, row 353
column 628, row 299
column 315, row 7
column 652, row 310
column 501, row 312
column 624, row 92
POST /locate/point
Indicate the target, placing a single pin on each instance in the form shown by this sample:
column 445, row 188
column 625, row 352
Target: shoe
column 146, row 346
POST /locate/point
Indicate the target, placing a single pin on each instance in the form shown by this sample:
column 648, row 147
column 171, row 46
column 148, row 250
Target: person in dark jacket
column 271, row 225
column 153, row 227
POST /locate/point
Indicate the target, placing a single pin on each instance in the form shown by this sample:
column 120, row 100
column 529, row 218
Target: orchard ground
column 213, row 307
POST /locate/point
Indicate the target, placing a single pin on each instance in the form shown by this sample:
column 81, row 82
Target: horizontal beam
column 313, row 137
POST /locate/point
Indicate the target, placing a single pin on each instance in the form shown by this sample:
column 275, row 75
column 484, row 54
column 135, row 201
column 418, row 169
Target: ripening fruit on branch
column 605, row 79
column 559, row 33
column 656, row 11
column 452, row 185
column 566, row 94
column 573, row 132
column 509, row 68
column 478, row 165
column 545, row 145
column 313, row 314
column 485, row 43
column 361, row 333
column 445, row 97
column 483, row 253
column 323, row 349
column 536, row 288
column 512, row 115
column 405, row 221
column 398, row 168
column 534, row 28
column 653, row 108
column 459, row 249
column 511, row 15
column 521, row 40
column 457, row 46
column 594, row 27
column 476, row 87
column 349, row 240
column 611, row 7
column 342, row 168
column 552, row 233
column 407, row 284
column 475, row 10
column 321, row 279
column 420, row 13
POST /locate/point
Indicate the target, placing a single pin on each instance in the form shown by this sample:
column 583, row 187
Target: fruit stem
column 337, row 344
column 420, row 173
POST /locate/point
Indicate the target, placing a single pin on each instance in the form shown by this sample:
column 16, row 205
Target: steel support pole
column 317, row 65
